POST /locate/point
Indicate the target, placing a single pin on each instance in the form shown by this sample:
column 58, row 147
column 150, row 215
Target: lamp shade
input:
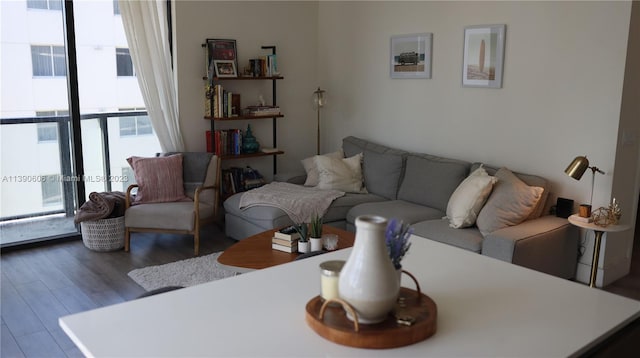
column 319, row 98
column 577, row 167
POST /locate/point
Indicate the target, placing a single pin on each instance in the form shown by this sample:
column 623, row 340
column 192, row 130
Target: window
column 123, row 62
column 51, row 190
column 48, row 61
column 48, row 132
column 128, row 178
column 116, row 7
column 132, row 126
column 44, row 4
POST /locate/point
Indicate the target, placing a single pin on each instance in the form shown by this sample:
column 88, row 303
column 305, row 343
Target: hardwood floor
column 38, row 285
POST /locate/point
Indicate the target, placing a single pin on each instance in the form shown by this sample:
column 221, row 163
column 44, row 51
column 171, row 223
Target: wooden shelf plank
column 237, row 118
column 250, row 155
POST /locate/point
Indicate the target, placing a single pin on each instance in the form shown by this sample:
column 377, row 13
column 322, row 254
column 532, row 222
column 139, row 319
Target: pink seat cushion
column 159, row 179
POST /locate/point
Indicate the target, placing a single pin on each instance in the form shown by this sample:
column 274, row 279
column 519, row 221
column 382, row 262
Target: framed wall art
column 483, row 58
column 411, row 56
column 220, row 50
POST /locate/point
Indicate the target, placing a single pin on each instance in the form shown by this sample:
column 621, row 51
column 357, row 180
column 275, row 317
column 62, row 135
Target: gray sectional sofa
column 416, row 188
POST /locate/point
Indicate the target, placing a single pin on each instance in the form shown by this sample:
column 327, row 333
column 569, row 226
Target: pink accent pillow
column 159, row 179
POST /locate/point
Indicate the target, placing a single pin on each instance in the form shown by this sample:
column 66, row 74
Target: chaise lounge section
column 417, row 188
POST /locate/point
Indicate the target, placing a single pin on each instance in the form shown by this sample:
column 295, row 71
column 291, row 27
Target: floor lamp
column 319, row 101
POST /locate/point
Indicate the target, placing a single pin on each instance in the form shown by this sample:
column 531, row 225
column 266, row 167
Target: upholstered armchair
column 176, row 193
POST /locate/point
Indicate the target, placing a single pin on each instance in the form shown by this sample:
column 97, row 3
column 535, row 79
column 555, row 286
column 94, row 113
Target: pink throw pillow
column 159, row 179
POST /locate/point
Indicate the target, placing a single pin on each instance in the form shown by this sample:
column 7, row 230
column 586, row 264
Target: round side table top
column 576, row 220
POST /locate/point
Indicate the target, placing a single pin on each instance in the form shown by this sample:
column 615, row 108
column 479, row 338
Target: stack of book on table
column 285, row 239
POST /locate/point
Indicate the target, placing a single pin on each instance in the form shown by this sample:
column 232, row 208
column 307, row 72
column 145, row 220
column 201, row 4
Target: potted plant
column 303, row 241
column 315, row 232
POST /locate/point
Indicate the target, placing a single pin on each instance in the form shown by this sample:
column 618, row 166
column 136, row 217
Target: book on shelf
column 269, row 150
column 287, row 233
column 221, row 103
column 284, row 242
column 289, row 249
column 579, row 218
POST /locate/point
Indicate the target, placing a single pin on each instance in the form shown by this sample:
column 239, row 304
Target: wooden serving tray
column 336, row 327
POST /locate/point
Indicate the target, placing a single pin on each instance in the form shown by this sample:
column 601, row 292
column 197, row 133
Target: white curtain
column 145, row 25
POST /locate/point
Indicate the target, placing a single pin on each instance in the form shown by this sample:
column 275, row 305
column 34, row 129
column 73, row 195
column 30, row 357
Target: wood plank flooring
column 38, row 285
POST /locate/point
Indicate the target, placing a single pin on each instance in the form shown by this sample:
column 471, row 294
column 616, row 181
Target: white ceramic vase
column 368, row 280
column 316, row 243
column 304, row 247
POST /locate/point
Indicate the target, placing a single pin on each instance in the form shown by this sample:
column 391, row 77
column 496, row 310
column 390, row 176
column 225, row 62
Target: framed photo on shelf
column 225, row 68
column 220, row 50
column 411, row 56
column 483, row 60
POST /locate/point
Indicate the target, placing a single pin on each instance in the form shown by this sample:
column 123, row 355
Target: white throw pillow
column 341, row 174
column 510, row 203
column 311, row 168
column 468, row 198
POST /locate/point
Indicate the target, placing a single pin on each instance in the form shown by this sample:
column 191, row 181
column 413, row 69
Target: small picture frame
column 411, row 56
column 225, row 68
column 483, row 58
column 220, row 50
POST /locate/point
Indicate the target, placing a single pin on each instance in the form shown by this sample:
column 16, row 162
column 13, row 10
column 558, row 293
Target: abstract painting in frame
column 220, row 49
column 411, row 56
column 483, row 56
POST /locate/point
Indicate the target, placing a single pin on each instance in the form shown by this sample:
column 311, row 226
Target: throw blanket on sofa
column 101, row 206
column 299, row 202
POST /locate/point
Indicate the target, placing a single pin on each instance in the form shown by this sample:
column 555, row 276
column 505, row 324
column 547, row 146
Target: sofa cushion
column 531, row 180
column 382, row 166
column 469, row 198
column 343, row 174
column 510, row 203
column 159, row 179
column 311, row 167
column 170, row 216
column 439, row 230
column 341, row 206
column 397, row 209
column 430, row 180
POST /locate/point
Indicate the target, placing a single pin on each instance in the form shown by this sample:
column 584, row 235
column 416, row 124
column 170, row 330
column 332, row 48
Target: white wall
column 561, row 96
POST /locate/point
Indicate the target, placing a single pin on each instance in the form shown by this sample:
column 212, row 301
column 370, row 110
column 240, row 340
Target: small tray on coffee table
column 331, row 322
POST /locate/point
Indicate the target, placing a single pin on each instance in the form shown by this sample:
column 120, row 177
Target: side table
column 598, row 231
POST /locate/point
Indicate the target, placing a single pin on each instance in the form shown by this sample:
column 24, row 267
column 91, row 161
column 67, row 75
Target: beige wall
column 561, row 97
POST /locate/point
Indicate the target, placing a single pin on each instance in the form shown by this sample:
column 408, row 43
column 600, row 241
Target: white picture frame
column 411, row 56
column 225, row 68
column 483, row 57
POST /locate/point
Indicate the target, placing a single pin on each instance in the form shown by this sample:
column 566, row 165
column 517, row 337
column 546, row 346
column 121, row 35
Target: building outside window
column 51, row 190
column 116, row 7
column 48, row 61
column 48, row 132
column 123, row 62
column 44, row 4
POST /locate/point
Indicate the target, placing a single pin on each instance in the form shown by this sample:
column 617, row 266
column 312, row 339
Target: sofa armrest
column 548, row 244
column 291, row 177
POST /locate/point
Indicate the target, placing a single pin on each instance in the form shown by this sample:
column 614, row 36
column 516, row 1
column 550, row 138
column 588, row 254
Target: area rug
column 184, row 273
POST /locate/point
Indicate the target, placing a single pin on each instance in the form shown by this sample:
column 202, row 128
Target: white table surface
column 486, row 307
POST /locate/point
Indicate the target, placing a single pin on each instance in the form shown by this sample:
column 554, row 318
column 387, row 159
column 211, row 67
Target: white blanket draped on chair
column 299, row 202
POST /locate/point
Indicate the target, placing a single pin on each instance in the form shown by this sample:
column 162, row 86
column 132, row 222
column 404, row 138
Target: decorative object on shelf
column 397, row 240
column 411, row 56
column 225, row 68
column 483, row 56
column 368, row 280
column 329, row 276
column 303, row 242
column 319, row 101
column 575, row 170
column 220, row 49
column 249, row 142
column 607, row 216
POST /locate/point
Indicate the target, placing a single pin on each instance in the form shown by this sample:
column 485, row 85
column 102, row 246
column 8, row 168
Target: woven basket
column 103, row 235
